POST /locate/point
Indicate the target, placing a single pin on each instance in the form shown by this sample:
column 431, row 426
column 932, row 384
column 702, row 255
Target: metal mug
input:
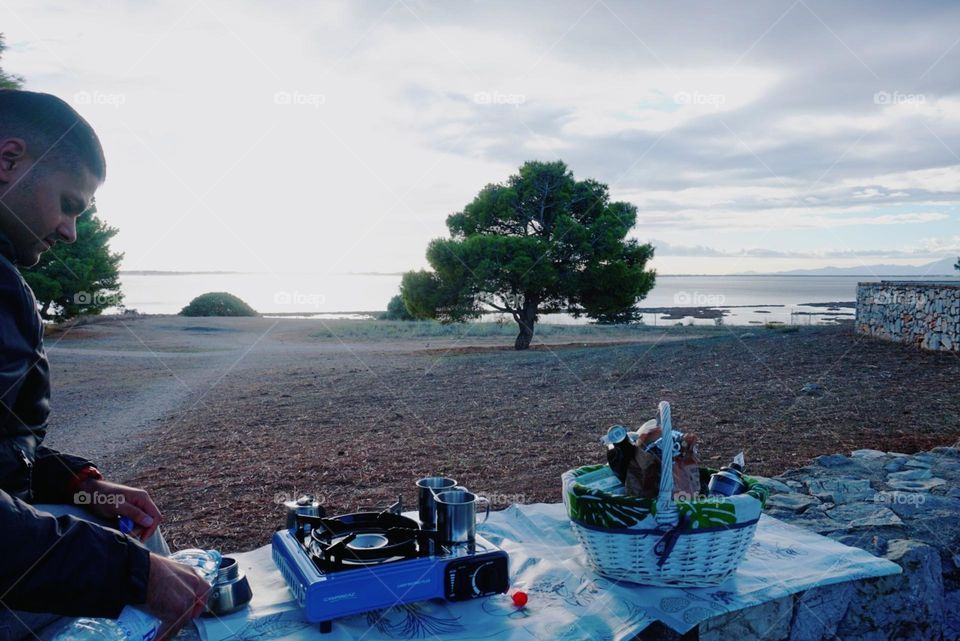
column 306, row 505
column 457, row 515
column 230, row 590
column 427, row 507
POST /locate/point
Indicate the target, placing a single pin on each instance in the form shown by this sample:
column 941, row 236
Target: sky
column 336, row 137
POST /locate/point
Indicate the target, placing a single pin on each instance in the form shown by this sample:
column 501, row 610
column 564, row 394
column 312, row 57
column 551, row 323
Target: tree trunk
column 526, row 319
column 45, row 310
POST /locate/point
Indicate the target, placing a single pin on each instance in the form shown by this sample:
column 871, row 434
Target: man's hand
column 175, row 594
column 111, row 500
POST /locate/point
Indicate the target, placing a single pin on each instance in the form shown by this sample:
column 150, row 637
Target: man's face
column 40, row 207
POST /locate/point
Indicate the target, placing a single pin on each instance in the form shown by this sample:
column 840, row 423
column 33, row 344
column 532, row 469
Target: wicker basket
column 660, row 541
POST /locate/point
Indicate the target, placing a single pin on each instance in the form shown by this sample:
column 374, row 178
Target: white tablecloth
column 567, row 599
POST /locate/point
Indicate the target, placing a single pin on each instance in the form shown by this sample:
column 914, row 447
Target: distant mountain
column 941, row 267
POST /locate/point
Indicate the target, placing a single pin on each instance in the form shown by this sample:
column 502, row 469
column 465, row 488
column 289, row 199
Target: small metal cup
column 427, row 507
column 306, row 505
column 457, row 515
column 230, row 590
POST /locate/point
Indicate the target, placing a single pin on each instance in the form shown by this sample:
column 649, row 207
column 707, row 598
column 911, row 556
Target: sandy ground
column 222, row 419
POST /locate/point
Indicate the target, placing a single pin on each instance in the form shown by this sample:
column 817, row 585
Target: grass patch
column 432, row 329
column 781, row 327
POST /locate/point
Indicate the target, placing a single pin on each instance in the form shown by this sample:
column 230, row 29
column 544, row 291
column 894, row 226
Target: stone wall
column 924, row 314
column 905, row 508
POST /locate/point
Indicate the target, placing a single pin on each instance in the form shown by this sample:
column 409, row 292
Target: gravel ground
column 222, row 419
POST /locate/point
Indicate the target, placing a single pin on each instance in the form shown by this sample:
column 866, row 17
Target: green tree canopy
column 82, row 278
column 217, row 304
column 7, row 80
column 542, row 242
column 396, row 310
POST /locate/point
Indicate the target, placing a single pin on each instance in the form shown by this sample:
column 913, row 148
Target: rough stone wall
column 924, row 314
column 904, row 508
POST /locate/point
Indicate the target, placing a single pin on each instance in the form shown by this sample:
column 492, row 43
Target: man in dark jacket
column 51, row 163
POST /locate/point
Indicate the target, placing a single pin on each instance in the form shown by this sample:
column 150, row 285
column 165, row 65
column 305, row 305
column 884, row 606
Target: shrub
column 396, row 310
column 217, row 304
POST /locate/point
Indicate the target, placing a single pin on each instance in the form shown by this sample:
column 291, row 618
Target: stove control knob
column 473, row 578
column 485, row 579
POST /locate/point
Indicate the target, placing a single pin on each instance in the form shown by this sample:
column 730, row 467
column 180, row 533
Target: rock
column 768, row 621
column 794, row 502
column 910, row 505
column 810, row 519
column 868, row 454
column 869, row 540
column 948, row 469
column 833, row 460
column 861, row 515
column 775, row 486
column 896, row 464
column 910, row 475
column 924, row 485
column 947, row 451
column 817, row 612
column 951, row 620
column 812, row 389
column 840, row 490
column 908, row 606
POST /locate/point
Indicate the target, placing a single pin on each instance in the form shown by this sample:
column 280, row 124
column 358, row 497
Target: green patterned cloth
column 595, row 497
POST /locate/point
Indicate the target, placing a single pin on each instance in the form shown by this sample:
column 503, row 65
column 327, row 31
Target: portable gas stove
column 354, row 563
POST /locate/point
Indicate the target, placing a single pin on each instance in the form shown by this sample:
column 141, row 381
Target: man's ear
column 13, row 157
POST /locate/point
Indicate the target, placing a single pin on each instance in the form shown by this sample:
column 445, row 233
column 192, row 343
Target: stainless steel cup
column 427, row 507
column 457, row 515
column 230, row 590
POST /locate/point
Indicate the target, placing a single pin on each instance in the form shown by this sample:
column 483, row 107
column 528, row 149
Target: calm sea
column 752, row 299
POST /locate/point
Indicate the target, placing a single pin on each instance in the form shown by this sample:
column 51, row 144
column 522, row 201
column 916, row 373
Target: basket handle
column 667, row 513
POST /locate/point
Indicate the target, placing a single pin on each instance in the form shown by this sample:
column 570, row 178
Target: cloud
column 712, row 118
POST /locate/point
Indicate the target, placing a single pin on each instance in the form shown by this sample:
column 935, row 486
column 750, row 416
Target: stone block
column 840, row 490
column 817, row 612
column 908, row 606
column 793, row 502
column 765, row 622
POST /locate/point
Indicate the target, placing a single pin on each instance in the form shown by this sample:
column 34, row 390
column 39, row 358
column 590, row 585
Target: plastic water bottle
column 134, row 624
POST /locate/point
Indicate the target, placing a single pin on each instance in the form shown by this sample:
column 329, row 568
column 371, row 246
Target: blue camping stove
column 350, row 564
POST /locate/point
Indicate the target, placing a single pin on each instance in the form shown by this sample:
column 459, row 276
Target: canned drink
column 729, row 480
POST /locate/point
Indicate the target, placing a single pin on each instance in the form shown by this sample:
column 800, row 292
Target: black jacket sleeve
column 52, row 473
column 67, row 566
column 25, row 395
